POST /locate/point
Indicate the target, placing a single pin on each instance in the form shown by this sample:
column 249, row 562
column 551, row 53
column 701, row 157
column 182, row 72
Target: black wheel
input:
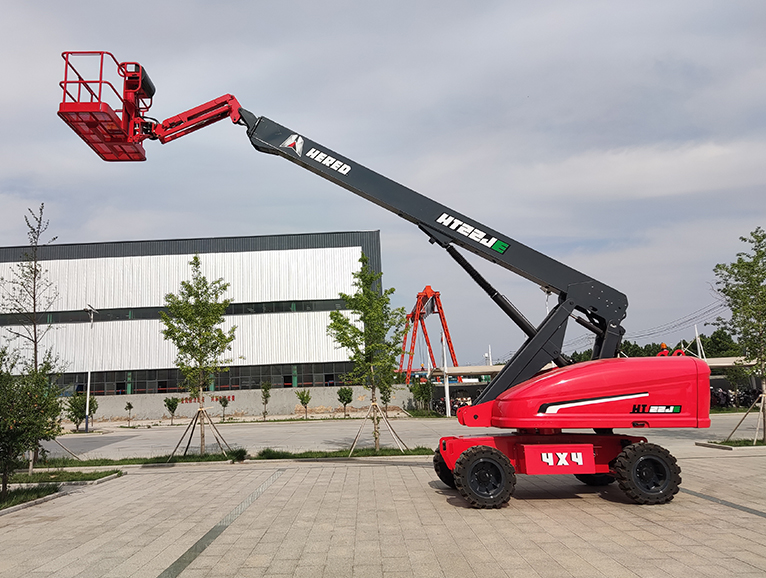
column 441, row 469
column 647, row 473
column 485, row 477
column 595, row 479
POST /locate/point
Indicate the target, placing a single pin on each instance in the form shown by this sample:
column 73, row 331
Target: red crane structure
column 428, row 302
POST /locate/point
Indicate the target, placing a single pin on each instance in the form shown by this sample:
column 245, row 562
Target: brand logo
column 328, row 161
column 561, row 458
column 642, row 408
column 294, row 142
column 472, row 233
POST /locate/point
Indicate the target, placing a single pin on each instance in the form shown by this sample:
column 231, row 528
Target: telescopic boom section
column 604, row 308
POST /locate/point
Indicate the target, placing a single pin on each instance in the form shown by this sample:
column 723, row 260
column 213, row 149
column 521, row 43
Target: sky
column 627, row 140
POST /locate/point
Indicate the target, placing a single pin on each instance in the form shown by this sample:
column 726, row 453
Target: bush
column 237, row 454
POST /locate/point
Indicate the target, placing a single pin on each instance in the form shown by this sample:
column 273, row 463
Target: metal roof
column 369, row 241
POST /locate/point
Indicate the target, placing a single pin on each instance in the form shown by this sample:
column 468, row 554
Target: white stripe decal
column 555, row 408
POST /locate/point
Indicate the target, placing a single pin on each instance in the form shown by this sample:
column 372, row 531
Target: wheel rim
column 486, row 478
column 651, row 475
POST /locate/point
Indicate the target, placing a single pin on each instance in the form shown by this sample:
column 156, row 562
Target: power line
column 710, row 311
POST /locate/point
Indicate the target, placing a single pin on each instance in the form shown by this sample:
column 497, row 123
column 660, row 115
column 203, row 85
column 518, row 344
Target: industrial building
column 283, row 289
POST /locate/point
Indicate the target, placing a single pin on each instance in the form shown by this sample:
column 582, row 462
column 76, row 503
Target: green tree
column 265, row 396
column 372, row 333
column 30, row 411
column 129, row 409
column 192, row 324
column 74, row 408
column 27, row 294
column 171, row 403
column 304, row 396
column 224, row 401
column 720, row 344
column 345, row 397
column 742, row 287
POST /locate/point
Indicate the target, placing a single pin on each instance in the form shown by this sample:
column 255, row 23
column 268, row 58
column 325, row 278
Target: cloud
column 626, row 141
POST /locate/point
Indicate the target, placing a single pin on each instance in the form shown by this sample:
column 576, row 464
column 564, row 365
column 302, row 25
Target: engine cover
column 607, row 393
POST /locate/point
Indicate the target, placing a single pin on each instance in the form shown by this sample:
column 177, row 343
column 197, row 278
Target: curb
column 58, row 494
column 30, row 485
column 32, row 503
column 744, row 449
column 712, row 446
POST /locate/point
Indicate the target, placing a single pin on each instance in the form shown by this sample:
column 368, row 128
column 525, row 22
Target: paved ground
column 392, row 518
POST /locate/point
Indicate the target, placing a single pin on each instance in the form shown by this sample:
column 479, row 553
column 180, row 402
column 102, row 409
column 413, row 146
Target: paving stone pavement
column 391, row 518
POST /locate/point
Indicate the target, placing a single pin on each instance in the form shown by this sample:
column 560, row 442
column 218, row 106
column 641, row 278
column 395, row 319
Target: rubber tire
column 595, row 479
column 647, row 473
column 440, row 467
column 485, row 477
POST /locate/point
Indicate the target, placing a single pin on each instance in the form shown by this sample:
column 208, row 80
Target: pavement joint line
column 724, row 503
column 199, row 546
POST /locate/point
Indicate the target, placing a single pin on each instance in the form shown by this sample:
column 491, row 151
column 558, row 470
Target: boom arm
column 604, row 307
column 117, row 133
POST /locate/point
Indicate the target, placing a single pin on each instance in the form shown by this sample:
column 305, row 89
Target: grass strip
column 270, row 454
column 71, row 462
column 19, row 496
column 60, row 476
column 740, row 443
column 425, row 413
column 265, row 454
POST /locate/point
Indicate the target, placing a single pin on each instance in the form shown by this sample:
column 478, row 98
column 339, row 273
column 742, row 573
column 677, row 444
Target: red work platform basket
column 109, row 122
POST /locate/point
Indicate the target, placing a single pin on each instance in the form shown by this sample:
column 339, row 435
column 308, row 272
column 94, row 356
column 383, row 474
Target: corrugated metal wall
column 105, row 283
column 275, row 268
column 138, row 344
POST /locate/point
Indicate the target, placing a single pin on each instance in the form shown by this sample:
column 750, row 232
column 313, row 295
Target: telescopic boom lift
column 602, row 394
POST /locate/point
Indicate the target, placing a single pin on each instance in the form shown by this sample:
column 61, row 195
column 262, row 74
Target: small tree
column 192, row 324
column 29, row 412
column 29, row 293
column 171, row 403
column 129, row 408
column 372, row 334
column 345, row 396
column 304, row 396
column 75, row 408
column 265, row 396
column 224, row 401
column 742, row 287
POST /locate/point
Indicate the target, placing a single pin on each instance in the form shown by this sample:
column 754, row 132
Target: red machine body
column 606, row 393
column 602, row 394
column 534, row 453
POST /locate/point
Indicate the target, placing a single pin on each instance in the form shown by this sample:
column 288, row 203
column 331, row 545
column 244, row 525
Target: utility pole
column 89, row 308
